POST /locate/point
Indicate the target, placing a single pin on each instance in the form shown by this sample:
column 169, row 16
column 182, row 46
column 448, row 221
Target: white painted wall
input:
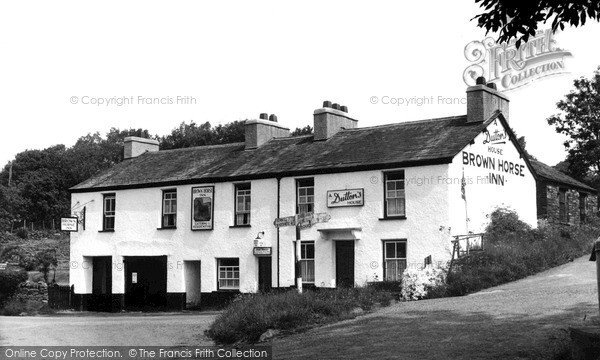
column 482, row 197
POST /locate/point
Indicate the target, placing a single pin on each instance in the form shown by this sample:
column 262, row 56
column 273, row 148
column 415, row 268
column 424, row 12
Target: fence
column 60, row 296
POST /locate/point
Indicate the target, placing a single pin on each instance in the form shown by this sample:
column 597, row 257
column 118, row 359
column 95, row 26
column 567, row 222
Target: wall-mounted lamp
column 258, row 239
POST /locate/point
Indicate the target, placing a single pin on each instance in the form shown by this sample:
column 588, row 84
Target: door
column 145, row 282
column 344, row 263
column 192, row 284
column 264, row 274
column 101, row 284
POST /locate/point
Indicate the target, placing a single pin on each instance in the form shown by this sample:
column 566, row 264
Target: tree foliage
column 579, row 120
column 519, row 20
column 307, row 130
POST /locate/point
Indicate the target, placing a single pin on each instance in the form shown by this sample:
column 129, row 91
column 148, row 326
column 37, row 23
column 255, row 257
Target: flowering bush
column 416, row 282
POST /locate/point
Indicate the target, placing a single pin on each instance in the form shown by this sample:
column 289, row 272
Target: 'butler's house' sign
column 348, row 197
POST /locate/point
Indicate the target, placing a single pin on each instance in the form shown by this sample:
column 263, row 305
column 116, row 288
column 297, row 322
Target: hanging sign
column 202, row 207
column 70, row 224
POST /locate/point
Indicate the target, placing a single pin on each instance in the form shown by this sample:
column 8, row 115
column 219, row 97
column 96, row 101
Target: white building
column 173, row 228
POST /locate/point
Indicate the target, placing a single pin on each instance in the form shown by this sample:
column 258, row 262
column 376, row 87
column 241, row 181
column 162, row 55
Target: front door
column 344, row 263
column 264, row 273
column 101, row 284
column 145, row 282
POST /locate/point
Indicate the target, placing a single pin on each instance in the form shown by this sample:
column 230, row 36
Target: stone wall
column 33, row 291
column 551, row 205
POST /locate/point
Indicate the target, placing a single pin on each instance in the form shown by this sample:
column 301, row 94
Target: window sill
column 393, row 218
column 228, row 290
column 167, row 228
column 106, row 231
column 240, row 226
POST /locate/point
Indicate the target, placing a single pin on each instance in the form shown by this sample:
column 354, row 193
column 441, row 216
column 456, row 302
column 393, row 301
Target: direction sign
column 302, row 221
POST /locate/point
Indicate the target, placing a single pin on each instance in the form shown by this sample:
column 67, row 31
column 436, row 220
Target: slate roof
column 432, row 141
column 551, row 174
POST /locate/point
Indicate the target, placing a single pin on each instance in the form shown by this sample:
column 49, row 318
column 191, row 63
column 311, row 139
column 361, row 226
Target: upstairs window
column 242, row 204
column 229, row 274
column 169, row 215
column 395, row 202
column 305, row 195
column 108, row 214
column 395, row 259
column 307, row 261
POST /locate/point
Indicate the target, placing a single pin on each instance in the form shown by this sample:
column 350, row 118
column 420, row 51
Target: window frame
column 174, row 214
column 385, row 194
column 385, row 258
column 238, row 279
column 299, row 186
column 106, row 197
column 242, row 187
column 303, row 259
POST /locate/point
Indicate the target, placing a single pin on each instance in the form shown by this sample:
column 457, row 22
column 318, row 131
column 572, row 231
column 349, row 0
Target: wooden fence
column 60, row 296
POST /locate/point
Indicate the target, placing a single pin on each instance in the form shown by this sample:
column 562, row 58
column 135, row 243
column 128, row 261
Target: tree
column 579, row 120
column 307, row 130
column 519, row 20
column 45, row 259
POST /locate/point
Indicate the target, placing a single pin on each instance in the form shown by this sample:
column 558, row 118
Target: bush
column 416, row 283
column 22, row 233
column 513, row 250
column 15, row 307
column 9, row 283
column 249, row 316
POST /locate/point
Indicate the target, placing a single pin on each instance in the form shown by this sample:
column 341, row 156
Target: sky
column 173, row 62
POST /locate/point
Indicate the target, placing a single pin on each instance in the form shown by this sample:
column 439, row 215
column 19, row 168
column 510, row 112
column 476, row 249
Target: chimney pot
column 492, row 85
column 326, row 104
column 344, row 108
column 336, row 106
column 480, row 81
column 264, row 116
column 273, row 118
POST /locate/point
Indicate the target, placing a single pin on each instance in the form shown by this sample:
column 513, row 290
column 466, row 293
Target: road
column 520, row 320
column 100, row 329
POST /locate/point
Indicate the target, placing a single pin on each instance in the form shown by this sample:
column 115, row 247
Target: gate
column 60, row 296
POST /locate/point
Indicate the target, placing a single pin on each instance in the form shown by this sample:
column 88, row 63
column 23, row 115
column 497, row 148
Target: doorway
column 344, row 263
column 264, row 274
column 192, row 284
column 145, row 282
column 101, row 284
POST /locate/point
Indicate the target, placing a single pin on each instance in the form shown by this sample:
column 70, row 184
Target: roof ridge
column 409, row 122
column 198, row 146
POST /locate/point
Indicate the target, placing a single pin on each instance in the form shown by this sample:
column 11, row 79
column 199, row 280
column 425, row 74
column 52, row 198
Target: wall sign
column 69, row 224
column 349, row 197
column 302, row 221
column 134, row 278
column 202, row 207
column 262, row 251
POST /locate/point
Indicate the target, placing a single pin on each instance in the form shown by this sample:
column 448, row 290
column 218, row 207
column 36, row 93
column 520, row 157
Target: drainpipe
column 597, row 253
column 278, row 216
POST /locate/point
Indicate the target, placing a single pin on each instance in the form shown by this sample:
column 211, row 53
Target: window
column 394, row 194
column 306, row 195
column 563, row 212
column 169, row 215
column 307, row 261
column 242, row 204
column 394, row 254
column 229, row 274
column 582, row 200
column 108, row 214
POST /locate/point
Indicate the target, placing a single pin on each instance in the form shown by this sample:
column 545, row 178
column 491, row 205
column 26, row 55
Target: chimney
column 483, row 99
column 262, row 130
column 330, row 119
column 135, row 146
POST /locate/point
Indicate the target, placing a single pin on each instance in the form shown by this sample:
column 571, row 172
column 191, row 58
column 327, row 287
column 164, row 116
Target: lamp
column 259, row 237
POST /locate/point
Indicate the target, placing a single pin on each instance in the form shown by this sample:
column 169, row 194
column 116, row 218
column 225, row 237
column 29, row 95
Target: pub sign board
column 348, row 197
column 69, row 224
column 262, row 251
column 202, row 207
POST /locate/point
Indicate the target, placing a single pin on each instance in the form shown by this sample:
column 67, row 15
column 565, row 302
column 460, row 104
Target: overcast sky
column 236, row 59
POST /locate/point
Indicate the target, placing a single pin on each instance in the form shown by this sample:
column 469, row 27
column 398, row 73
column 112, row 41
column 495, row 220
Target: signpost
column 302, row 221
column 70, row 224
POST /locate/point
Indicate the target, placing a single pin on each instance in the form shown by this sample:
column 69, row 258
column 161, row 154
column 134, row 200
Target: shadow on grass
column 438, row 334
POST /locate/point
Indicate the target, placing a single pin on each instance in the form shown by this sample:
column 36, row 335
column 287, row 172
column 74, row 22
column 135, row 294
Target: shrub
column 22, row 233
column 249, row 316
column 9, row 283
column 416, row 283
column 513, row 250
